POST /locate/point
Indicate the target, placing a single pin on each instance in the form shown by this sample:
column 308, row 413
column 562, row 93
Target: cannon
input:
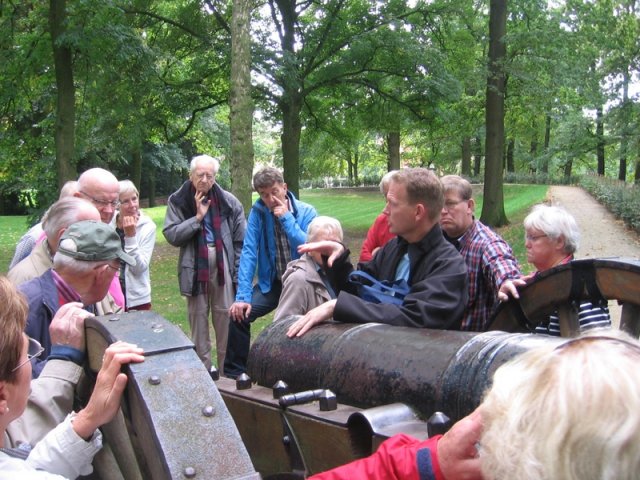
column 312, row 403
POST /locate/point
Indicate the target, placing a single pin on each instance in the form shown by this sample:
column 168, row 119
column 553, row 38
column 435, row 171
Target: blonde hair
column 13, row 319
column 570, row 412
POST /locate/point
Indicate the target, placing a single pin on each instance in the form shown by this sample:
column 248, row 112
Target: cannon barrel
column 372, row 364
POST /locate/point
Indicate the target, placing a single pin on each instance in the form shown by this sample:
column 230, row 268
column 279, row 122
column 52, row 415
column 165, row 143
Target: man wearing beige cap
column 88, row 256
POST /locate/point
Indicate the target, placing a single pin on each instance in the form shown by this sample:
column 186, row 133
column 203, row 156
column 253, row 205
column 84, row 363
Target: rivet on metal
column 280, row 388
column 208, row 411
column 438, row 424
column 286, row 440
column 154, row 380
column 157, row 327
column 189, row 472
column 114, row 319
column 214, row 373
column 328, row 401
column 243, row 382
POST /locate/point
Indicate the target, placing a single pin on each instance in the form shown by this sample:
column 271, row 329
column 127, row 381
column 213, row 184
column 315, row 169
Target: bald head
column 101, row 188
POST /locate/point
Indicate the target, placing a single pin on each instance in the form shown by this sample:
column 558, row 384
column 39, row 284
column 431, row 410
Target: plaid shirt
column 490, row 262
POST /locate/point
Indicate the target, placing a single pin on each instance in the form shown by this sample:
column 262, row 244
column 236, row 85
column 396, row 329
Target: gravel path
column 602, row 234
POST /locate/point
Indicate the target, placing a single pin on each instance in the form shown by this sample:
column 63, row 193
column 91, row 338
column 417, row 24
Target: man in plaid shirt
column 489, row 258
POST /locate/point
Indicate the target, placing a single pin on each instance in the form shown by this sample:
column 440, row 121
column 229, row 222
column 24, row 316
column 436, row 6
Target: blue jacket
column 259, row 248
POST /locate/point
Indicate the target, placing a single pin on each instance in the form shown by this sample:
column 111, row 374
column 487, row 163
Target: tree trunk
column 567, row 169
column 600, row 140
column 241, row 104
column 477, row 157
column 393, row 150
column 624, row 139
column 493, row 205
column 136, row 168
column 65, row 103
column 547, row 139
column 510, row 149
column 356, row 160
column 152, row 186
column 466, row 157
column 291, row 129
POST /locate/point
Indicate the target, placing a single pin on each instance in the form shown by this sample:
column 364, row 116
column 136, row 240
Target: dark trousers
column 235, row 361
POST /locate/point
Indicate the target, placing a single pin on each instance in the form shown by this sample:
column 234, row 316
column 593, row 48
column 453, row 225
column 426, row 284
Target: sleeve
column 249, row 257
column 23, row 249
column 50, row 401
column 499, row 264
column 296, row 228
column 141, row 246
column 178, row 231
column 372, row 241
column 64, row 453
column 294, row 299
column 399, row 457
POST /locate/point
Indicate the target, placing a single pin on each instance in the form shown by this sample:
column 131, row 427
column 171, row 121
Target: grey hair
column 267, row 177
column 385, row 180
column 205, row 159
column 127, row 186
column 328, row 225
column 555, row 222
column 69, row 189
column 62, row 214
column 67, row 263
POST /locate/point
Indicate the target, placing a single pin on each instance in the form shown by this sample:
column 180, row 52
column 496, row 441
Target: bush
column 622, row 199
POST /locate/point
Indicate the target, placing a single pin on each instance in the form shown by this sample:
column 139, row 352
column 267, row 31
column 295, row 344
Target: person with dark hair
column 420, row 255
column 207, row 223
column 276, row 227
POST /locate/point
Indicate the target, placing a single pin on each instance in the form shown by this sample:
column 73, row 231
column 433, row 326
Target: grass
column 356, row 210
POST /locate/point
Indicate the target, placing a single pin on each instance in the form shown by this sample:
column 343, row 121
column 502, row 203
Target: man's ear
column 421, row 211
column 4, row 400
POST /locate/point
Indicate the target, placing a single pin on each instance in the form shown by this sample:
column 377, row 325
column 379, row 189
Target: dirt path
column 602, row 234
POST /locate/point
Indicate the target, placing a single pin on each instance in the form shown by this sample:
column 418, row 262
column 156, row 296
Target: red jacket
column 399, row 457
column 377, row 236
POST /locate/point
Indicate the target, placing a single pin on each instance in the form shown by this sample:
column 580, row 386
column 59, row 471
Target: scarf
column 186, row 204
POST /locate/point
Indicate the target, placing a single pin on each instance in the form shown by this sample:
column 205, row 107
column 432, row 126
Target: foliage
column 621, row 199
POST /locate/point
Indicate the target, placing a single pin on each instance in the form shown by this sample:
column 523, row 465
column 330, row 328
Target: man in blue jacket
column 277, row 225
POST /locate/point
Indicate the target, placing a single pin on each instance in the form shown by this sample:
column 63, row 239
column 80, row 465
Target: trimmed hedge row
column 621, row 198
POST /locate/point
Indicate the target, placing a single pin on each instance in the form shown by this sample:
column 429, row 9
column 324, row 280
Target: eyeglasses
column 117, row 269
column 533, row 238
column 101, row 203
column 451, row 204
column 33, row 351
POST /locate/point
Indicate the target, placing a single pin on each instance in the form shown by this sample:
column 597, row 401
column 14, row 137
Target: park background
column 334, row 92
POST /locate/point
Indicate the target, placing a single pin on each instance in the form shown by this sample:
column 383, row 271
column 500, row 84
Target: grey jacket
column 180, row 231
column 302, row 288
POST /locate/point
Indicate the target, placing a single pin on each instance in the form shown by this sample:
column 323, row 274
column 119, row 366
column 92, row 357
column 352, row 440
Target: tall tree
column 493, row 205
column 66, row 101
column 240, row 102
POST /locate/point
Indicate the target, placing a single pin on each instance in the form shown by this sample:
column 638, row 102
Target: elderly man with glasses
column 84, row 265
column 490, row 260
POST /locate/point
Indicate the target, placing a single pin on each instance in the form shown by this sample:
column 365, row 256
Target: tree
column 240, row 103
column 493, row 205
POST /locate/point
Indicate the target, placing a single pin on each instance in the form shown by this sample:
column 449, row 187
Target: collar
column 65, row 291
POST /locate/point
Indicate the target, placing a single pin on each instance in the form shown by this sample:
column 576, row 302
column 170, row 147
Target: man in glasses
column 490, row 260
column 84, row 265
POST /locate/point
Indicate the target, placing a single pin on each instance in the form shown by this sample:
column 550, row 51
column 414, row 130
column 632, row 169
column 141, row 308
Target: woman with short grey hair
column 138, row 234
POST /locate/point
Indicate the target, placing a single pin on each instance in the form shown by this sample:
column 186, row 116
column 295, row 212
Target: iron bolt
column 154, row 380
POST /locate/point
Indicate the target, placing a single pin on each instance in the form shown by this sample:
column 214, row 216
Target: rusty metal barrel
column 368, row 365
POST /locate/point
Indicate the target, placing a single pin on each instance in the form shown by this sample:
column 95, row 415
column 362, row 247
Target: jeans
column 235, row 361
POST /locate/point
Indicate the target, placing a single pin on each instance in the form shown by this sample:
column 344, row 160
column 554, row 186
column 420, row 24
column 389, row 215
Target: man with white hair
column 88, row 257
column 207, row 223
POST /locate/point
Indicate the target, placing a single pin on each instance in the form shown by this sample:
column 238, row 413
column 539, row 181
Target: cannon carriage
column 316, row 402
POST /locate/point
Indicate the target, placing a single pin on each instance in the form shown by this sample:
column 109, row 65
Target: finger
column 247, row 311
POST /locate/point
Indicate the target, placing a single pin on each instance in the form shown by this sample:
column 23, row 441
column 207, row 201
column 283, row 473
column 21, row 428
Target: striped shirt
column 589, row 316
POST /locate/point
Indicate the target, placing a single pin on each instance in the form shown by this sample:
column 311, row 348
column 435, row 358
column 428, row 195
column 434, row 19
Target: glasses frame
column 533, row 238
column 102, row 203
column 34, row 350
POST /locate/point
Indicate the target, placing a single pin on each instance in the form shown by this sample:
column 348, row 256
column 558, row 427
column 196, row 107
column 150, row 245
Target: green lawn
column 356, row 210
